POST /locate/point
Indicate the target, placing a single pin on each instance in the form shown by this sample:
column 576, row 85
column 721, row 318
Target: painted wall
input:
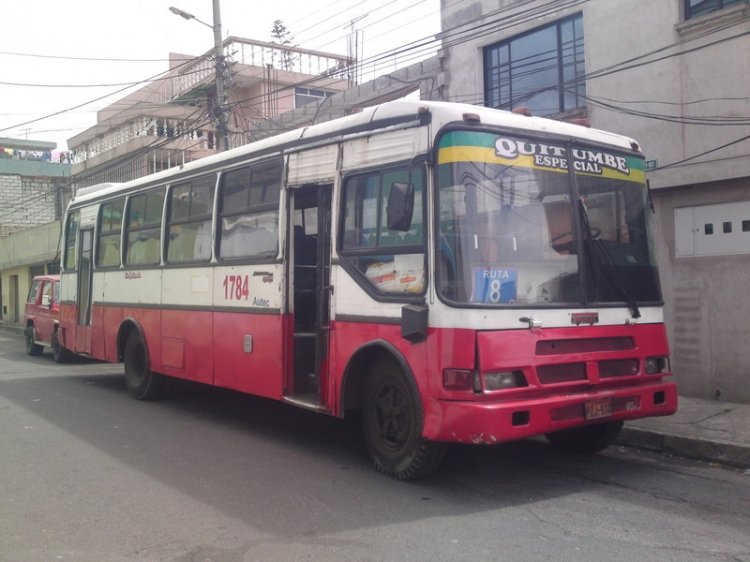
column 707, row 301
column 21, row 254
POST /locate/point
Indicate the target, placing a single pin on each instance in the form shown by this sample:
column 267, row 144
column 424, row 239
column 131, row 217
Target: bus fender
column 128, row 325
column 357, row 368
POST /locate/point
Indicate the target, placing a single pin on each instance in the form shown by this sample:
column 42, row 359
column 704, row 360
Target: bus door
column 84, row 282
column 309, row 293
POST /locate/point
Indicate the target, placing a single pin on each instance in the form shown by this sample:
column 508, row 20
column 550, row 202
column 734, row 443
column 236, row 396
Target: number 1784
column 236, row 287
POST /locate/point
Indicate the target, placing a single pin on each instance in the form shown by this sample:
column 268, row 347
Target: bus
column 448, row 273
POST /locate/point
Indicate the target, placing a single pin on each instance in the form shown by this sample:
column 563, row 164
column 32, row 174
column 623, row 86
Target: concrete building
column 674, row 74
column 34, row 189
column 169, row 121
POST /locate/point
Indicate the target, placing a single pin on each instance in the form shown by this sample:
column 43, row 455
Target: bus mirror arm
column 414, row 322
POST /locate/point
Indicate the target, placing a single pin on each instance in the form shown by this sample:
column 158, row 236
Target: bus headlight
column 504, row 380
column 656, row 365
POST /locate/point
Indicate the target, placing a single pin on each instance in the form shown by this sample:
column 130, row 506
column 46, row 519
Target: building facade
column 34, row 190
column 674, row 75
column 172, row 120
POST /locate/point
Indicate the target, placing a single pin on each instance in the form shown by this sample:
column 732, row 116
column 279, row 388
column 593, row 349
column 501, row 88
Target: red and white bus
column 454, row 273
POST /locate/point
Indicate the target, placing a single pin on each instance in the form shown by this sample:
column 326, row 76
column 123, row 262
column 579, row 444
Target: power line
column 147, row 80
column 421, row 45
column 704, row 153
column 61, row 57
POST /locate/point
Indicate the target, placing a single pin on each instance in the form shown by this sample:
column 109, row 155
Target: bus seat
column 151, row 251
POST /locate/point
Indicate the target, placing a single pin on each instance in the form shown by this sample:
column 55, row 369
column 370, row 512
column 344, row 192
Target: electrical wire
column 412, row 47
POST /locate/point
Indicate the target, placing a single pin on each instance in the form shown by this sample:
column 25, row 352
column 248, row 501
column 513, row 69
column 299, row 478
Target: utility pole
column 219, row 110
column 220, row 107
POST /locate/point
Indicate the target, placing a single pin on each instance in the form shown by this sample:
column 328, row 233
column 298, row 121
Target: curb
column 690, row 447
column 12, row 329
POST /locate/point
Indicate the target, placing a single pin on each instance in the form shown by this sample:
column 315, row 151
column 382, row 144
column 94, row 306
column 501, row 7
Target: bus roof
column 372, row 119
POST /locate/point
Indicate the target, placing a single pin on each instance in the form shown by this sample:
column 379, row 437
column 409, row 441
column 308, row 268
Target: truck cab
column 42, row 317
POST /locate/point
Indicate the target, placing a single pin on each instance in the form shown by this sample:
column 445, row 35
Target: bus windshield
column 517, row 227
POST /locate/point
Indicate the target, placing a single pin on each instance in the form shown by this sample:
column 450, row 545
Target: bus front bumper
column 490, row 422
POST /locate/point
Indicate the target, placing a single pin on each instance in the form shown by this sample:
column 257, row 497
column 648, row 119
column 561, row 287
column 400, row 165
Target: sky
column 59, row 57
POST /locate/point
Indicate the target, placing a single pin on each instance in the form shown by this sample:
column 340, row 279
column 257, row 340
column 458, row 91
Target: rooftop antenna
column 353, row 47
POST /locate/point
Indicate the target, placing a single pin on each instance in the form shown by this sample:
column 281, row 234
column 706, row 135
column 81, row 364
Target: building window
column 303, row 96
column 543, row 69
column 696, row 8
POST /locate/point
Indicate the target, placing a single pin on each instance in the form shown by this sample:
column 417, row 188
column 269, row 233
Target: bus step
column 307, row 400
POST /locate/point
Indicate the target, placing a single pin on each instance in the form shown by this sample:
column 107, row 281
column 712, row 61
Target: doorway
column 310, row 290
column 14, row 297
column 85, row 278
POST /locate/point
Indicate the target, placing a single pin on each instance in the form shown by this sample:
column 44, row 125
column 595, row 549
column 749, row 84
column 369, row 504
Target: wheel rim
column 392, row 418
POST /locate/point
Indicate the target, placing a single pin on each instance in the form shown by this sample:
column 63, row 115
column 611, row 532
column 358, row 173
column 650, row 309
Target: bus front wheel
column 142, row 383
column 392, row 426
column 589, row 439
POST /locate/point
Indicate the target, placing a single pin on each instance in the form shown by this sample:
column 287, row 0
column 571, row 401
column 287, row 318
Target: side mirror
column 400, row 206
column 46, row 301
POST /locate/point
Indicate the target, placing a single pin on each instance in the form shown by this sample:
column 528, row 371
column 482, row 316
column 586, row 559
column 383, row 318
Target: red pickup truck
column 42, row 318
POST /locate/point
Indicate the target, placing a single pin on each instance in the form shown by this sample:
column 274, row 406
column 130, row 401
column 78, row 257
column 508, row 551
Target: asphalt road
column 87, row 474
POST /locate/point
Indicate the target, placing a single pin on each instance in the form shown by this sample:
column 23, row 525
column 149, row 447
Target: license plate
column 599, row 408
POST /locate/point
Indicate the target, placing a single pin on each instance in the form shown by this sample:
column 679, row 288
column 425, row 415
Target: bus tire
column 33, row 349
column 142, row 383
column 392, row 426
column 59, row 353
column 587, row 440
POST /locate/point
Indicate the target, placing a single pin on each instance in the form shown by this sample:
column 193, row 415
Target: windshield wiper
column 601, row 254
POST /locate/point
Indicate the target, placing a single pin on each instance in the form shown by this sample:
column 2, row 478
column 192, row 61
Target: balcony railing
column 260, row 54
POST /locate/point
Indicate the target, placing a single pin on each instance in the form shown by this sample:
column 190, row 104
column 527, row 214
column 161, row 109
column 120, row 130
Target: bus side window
column 108, row 233
column 144, row 228
column 391, row 261
column 71, row 231
column 189, row 220
column 249, row 211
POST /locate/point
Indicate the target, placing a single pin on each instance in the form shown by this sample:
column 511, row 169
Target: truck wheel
column 392, row 426
column 59, row 353
column 32, row 348
column 589, row 439
column 142, row 383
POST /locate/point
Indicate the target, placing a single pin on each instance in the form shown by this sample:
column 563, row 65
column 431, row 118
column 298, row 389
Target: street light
column 219, row 110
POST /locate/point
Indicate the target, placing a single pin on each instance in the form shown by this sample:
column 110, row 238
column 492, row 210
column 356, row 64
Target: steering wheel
column 595, row 233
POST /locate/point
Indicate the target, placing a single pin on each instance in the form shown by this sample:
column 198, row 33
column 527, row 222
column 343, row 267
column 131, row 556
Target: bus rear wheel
column 59, row 353
column 142, row 383
column 392, row 426
column 589, row 439
column 32, row 348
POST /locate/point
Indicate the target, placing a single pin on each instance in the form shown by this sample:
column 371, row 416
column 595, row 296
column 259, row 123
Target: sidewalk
column 707, row 430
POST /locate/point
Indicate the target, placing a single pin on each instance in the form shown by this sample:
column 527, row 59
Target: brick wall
column 27, row 201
